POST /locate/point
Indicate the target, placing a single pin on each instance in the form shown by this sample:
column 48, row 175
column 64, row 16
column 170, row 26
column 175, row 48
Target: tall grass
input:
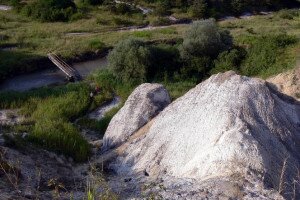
column 52, row 111
column 269, row 55
column 99, row 125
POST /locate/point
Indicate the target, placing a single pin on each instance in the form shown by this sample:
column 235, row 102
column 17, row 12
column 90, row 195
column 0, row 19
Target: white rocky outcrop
column 142, row 105
column 227, row 125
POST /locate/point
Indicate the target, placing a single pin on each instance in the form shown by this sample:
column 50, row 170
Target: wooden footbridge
column 70, row 72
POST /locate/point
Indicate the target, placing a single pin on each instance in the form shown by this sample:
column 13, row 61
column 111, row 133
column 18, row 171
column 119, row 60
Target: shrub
column 105, row 78
column 288, row 14
column 120, row 21
column 265, row 53
column 199, row 9
column 197, row 67
column 121, row 8
column 229, row 60
column 50, row 10
column 130, row 60
column 77, row 16
column 238, row 6
column 205, row 38
column 165, row 60
column 163, row 8
column 160, row 21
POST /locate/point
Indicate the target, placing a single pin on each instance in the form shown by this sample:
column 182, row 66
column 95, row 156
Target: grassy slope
column 246, row 30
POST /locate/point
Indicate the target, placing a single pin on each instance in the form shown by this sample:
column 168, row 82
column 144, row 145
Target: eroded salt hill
column 225, row 126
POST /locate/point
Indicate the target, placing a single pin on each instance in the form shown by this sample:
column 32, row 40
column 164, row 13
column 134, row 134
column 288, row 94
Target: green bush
column 120, row 21
column 122, row 8
column 201, row 45
column 105, row 79
column 264, row 55
column 199, row 9
column 165, row 61
column 229, row 60
column 130, row 60
column 197, row 67
column 50, row 10
column 77, row 16
column 288, row 14
column 163, row 8
column 160, row 21
column 205, row 38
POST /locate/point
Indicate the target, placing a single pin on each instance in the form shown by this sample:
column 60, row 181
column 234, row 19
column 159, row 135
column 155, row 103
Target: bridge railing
column 64, row 67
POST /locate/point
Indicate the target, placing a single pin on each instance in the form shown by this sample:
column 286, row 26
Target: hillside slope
column 288, row 82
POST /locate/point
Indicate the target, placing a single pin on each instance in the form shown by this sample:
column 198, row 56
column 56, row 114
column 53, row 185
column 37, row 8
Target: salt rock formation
column 142, row 105
column 227, row 125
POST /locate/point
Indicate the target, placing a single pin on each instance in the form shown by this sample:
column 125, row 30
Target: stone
column 146, row 101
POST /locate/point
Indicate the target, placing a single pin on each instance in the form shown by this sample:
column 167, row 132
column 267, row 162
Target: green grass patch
column 269, row 55
column 143, row 34
column 168, row 31
column 51, row 112
column 98, row 125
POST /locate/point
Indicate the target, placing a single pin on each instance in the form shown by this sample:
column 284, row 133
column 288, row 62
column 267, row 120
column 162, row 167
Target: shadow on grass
column 16, row 62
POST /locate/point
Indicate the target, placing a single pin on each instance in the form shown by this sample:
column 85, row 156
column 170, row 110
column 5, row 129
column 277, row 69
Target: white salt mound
column 227, row 125
column 142, row 105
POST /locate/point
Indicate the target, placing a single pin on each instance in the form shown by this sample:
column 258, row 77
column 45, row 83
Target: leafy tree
column 238, row 6
column 163, row 7
column 130, row 61
column 51, row 10
column 199, row 9
column 205, row 38
column 229, row 60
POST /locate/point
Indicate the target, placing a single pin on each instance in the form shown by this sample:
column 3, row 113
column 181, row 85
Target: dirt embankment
column 288, row 82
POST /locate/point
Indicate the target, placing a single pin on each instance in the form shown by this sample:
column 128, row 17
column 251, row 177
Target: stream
column 5, row 8
column 51, row 76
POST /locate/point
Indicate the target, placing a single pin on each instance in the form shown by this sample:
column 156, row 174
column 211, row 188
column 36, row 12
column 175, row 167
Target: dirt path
column 175, row 22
